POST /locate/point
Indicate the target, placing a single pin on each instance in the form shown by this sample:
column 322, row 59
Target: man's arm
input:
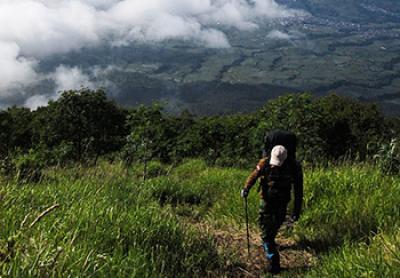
column 251, row 180
column 298, row 191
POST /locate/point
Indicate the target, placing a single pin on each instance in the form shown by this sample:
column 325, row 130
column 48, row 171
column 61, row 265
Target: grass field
column 188, row 221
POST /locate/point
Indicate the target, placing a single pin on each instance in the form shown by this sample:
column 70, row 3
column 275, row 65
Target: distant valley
column 348, row 47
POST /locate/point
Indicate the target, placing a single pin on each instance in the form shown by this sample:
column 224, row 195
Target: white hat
column 278, row 155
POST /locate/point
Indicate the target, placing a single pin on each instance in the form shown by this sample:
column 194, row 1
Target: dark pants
column 271, row 216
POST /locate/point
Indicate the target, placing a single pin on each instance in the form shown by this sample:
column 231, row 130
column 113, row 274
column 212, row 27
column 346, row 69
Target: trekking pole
column 247, row 226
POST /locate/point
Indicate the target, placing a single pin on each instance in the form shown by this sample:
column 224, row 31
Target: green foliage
column 300, row 114
column 15, row 130
column 6, row 167
column 28, row 167
column 349, row 126
column 190, row 168
column 83, row 125
column 103, row 226
column 379, row 258
column 328, row 127
column 154, row 169
column 347, row 204
column 210, row 192
column 173, row 192
column 145, row 140
column 61, row 154
column 84, row 120
column 388, row 157
column 110, row 223
column 179, row 188
column 5, row 131
column 154, row 135
column 107, row 225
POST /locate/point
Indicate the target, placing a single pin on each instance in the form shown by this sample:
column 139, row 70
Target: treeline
column 84, row 125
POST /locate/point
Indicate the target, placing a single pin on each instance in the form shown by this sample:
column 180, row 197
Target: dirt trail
column 233, row 241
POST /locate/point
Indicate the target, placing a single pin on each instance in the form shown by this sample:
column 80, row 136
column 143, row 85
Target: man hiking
column 278, row 172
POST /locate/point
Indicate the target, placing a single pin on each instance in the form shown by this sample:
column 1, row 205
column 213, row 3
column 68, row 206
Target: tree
column 350, row 125
column 15, row 130
column 84, row 120
column 298, row 113
column 5, row 133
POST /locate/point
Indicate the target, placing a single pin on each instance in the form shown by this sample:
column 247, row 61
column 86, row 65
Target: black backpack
column 276, row 182
column 281, row 137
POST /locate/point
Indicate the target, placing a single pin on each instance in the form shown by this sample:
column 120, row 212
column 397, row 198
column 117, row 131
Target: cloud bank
column 278, row 35
column 65, row 78
column 31, row 30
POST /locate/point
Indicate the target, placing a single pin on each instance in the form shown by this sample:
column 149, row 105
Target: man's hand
column 244, row 193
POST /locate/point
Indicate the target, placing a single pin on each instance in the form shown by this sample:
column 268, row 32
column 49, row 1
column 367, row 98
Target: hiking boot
column 273, row 269
column 269, row 250
column 272, row 255
column 274, row 266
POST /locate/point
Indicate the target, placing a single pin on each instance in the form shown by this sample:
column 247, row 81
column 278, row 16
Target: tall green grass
column 104, row 226
column 212, row 194
column 348, row 203
column 378, row 258
column 111, row 223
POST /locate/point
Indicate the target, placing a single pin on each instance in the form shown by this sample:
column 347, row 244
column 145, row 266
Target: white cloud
column 67, row 78
column 15, row 70
column 31, row 30
column 41, row 30
column 275, row 34
column 36, row 101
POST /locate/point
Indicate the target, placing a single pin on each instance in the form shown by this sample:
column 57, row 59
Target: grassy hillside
column 188, row 221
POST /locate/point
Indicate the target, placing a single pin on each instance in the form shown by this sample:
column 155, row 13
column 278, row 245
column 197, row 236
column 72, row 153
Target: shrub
column 179, row 192
column 28, row 167
column 6, row 167
column 153, row 169
column 190, row 168
column 388, row 157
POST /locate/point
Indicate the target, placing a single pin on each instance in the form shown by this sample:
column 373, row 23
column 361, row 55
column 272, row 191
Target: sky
column 33, row 30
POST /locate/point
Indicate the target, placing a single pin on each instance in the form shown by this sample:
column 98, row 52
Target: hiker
column 278, row 173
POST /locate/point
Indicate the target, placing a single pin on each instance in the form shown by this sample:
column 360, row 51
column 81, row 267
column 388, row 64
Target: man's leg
column 271, row 218
column 269, row 230
column 279, row 218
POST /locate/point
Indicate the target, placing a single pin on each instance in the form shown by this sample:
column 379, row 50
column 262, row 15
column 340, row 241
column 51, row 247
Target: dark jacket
column 290, row 168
